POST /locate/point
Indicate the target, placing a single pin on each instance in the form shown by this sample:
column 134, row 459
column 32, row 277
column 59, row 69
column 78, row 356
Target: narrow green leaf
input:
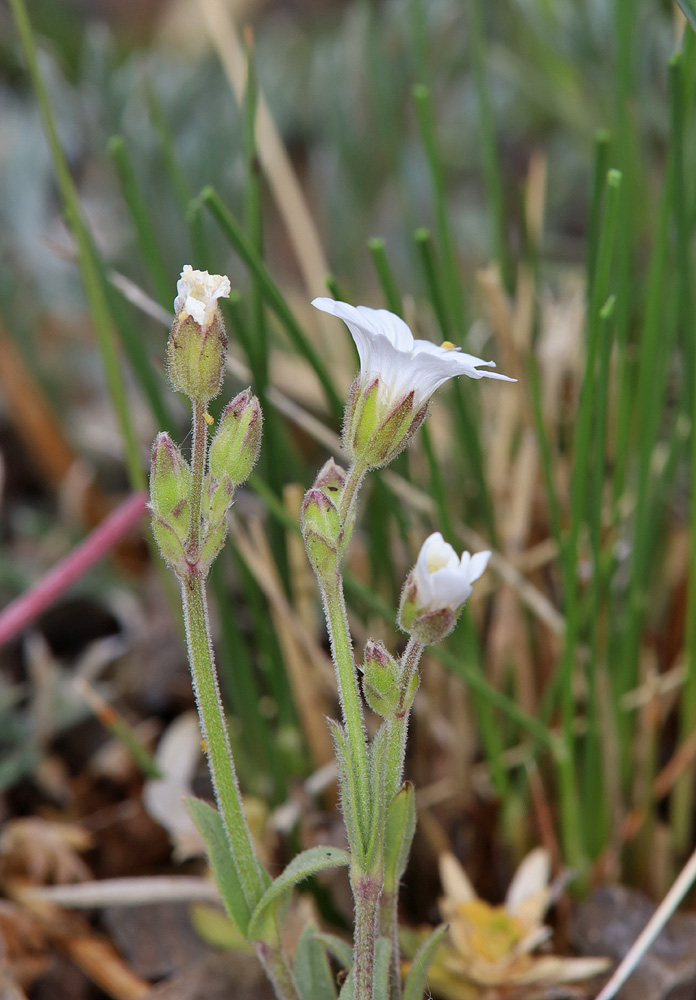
column 273, row 296
column 316, row 859
column 378, row 779
column 348, row 988
column 210, row 826
column 312, row 969
column 399, row 829
column 415, row 981
column 340, row 949
column 350, row 792
column 689, row 10
column 382, row 966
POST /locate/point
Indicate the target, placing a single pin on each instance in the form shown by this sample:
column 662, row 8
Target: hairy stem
column 216, row 738
column 389, row 928
column 277, row 968
column 198, row 453
column 349, row 493
column 206, row 689
column 366, row 892
column 349, row 694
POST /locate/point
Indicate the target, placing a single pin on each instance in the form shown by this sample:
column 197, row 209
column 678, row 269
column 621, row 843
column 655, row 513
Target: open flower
column 437, row 587
column 398, row 375
column 493, row 946
column 197, row 294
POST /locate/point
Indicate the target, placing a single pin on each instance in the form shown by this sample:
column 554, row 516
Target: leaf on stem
column 350, row 792
column 312, row 970
column 382, row 968
column 316, row 859
column 399, row 829
column 415, row 981
column 211, row 829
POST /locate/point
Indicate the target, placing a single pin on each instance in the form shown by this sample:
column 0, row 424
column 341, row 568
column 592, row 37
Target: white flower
column 441, row 578
column 388, row 351
column 198, row 293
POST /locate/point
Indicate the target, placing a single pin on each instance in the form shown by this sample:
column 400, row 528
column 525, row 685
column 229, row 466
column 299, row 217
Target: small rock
column 610, row 921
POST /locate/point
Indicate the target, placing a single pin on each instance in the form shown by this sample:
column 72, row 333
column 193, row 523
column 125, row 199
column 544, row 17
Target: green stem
column 217, row 745
column 348, row 692
column 252, row 875
column 366, row 891
column 198, row 453
column 349, row 493
column 277, row 968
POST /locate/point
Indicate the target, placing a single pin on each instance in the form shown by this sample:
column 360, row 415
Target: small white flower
column 441, row 578
column 389, row 351
column 198, row 292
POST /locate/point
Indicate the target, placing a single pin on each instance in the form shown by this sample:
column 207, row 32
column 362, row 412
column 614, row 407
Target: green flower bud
column 217, row 498
column 197, row 342
column 211, row 545
column 382, row 683
column 196, row 358
column 171, row 546
column 170, row 489
column 330, row 478
column 321, row 530
column 170, row 485
column 235, row 447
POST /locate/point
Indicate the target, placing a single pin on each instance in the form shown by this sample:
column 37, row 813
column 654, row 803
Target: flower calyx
column 197, row 342
column 170, row 491
column 376, row 428
column 437, row 588
column 382, row 683
column 237, row 441
column 322, row 533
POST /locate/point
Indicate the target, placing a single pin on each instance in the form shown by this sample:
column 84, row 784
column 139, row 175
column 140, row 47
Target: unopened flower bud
column 213, row 539
column 170, row 490
column 321, row 530
column 437, row 588
column 197, row 342
column 382, row 683
column 330, row 478
column 170, row 484
column 235, row 447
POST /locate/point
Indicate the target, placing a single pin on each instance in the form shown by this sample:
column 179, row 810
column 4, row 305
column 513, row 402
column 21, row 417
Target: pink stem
column 28, row 607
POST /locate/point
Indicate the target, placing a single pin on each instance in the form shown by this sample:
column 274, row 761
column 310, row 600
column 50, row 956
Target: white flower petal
column 477, row 565
column 387, row 350
column 443, row 580
column 198, row 292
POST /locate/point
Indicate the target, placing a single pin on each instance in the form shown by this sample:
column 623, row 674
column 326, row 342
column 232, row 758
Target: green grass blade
column 90, row 272
column 149, row 248
column 241, row 244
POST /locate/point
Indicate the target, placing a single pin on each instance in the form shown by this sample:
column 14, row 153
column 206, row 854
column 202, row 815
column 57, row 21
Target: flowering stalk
column 387, row 403
column 189, row 510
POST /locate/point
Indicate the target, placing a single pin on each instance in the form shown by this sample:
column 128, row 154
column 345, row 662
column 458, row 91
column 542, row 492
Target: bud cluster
column 189, row 518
